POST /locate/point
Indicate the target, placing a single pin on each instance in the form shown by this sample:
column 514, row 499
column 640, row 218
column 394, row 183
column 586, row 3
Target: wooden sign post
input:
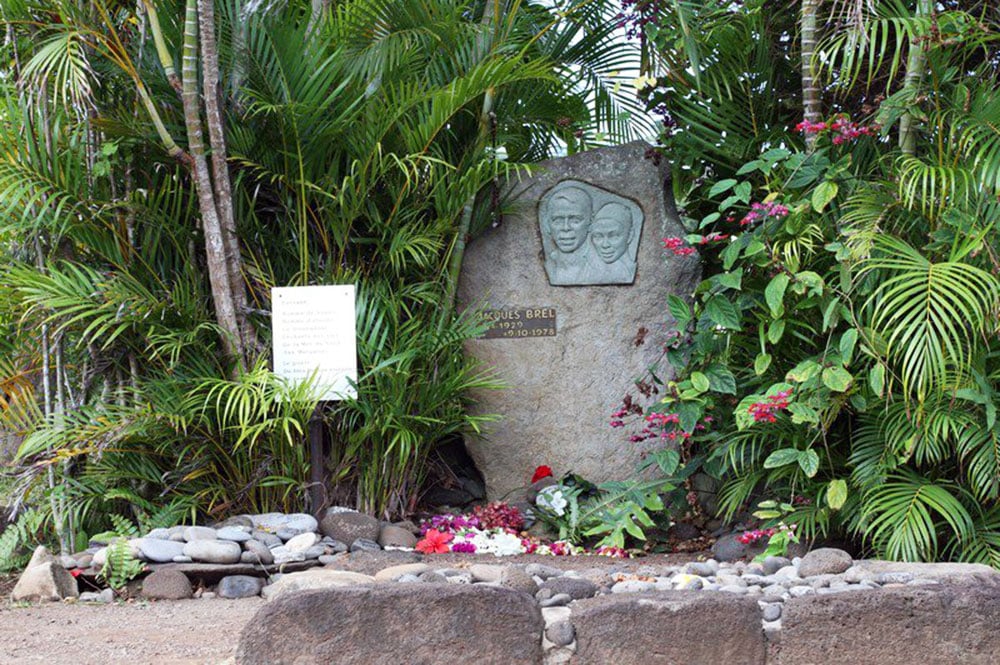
column 315, row 335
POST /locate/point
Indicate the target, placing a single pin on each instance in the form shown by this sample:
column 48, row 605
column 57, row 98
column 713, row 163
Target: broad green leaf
column 781, row 457
column 668, row 460
column 803, row 414
column 847, row 343
column 761, row 363
column 775, row 331
column 837, row 379
column 804, row 371
column 708, row 219
column 774, row 294
column 767, row 514
column 722, row 312
column 680, row 310
column 825, row 192
column 729, row 280
column 749, row 167
column 743, row 191
column 721, row 186
column 700, row 382
column 721, row 379
column 770, row 503
column 808, row 461
column 876, row 379
column 836, row 493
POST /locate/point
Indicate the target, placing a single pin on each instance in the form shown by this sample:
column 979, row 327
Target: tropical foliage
column 163, row 164
column 840, row 357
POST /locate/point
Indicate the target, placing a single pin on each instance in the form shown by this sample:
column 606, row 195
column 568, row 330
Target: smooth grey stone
column 542, row 571
column 239, row 586
column 286, row 533
column 632, row 586
column 159, row 534
column 275, row 522
column 239, row 521
column 771, row 612
column 213, row 551
column 900, row 577
column 314, row 552
column 773, row 564
column 560, row 633
column 702, row 568
column 556, row 600
column 260, row 552
column 90, row 597
column 333, row 546
column 248, row 557
column 799, row 591
column 730, row 580
column 544, row 594
column 689, row 584
column 432, row 577
column 182, row 559
column 158, row 550
column 409, row 579
column 755, row 568
column 235, row 534
column 193, row 533
column 268, row 539
column 365, row 545
column 772, row 631
column 824, row 561
column 107, row 595
column 733, row 588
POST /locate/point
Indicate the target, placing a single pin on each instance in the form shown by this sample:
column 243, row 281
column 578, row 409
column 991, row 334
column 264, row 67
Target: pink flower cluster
column 677, row 246
column 761, row 211
column 764, row 411
column 844, row 128
column 750, row 537
column 498, row 515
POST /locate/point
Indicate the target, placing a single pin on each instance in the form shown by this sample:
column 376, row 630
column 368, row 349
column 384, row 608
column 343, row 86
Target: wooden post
column 317, row 462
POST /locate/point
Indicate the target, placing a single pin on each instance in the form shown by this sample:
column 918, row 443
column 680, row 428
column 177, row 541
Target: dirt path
column 188, row 632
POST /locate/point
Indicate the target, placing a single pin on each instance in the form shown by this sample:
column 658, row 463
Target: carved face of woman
column 611, row 232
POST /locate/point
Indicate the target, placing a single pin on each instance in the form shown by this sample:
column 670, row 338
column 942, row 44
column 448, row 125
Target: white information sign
column 314, row 330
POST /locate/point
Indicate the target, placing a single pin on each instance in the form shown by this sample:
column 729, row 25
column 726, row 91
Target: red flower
column 435, row 542
column 542, row 471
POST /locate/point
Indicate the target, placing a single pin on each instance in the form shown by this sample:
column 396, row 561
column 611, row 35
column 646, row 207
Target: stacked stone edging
column 944, row 625
column 392, row 624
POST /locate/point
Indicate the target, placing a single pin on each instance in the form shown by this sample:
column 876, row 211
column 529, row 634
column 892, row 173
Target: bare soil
column 205, row 631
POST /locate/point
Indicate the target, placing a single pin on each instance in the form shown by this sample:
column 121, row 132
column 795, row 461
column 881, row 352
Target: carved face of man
column 611, row 231
column 569, row 218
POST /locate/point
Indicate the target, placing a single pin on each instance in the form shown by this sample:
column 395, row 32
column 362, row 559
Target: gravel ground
column 184, row 632
column 201, row 631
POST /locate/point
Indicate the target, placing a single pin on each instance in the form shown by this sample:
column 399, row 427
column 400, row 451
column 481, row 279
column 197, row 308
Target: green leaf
column 729, row 280
column 837, row 379
column 761, row 363
column 680, row 310
column 802, row 413
column 774, row 294
column 847, row 343
column 767, row 514
column 775, row 331
column 804, row 371
column 721, row 379
column 700, row 382
column 708, row 219
column 721, row 186
column 749, row 167
column 825, row 192
column 722, row 312
column 668, row 460
column 808, row 461
column 781, row 457
column 876, row 379
column 743, row 191
column 836, row 493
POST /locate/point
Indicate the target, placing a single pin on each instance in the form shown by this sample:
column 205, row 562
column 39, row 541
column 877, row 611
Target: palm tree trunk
column 215, row 247
column 812, row 103
column 220, row 172
column 915, row 61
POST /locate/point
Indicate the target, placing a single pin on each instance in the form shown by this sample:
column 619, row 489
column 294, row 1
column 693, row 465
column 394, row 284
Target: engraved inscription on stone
column 590, row 236
column 520, row 323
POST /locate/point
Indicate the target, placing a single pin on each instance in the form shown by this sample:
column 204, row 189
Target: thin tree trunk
column 916, row 59
column 220, row 172
column 215, row 249
column 812, row 103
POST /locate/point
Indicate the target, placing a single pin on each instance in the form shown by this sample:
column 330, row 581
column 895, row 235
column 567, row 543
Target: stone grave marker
column 575, row 281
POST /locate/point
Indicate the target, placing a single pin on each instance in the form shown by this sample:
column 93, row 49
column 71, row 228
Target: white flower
column 551, row 498
column 506, row 544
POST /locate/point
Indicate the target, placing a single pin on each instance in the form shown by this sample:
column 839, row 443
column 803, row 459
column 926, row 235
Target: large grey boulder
column 824, row 561
column 563, row 387
column 669, row 628
column 44, row 580
column 391, row 624
column 350, row 526
column 166, row 584
column 945, row 573
column 938, row 625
